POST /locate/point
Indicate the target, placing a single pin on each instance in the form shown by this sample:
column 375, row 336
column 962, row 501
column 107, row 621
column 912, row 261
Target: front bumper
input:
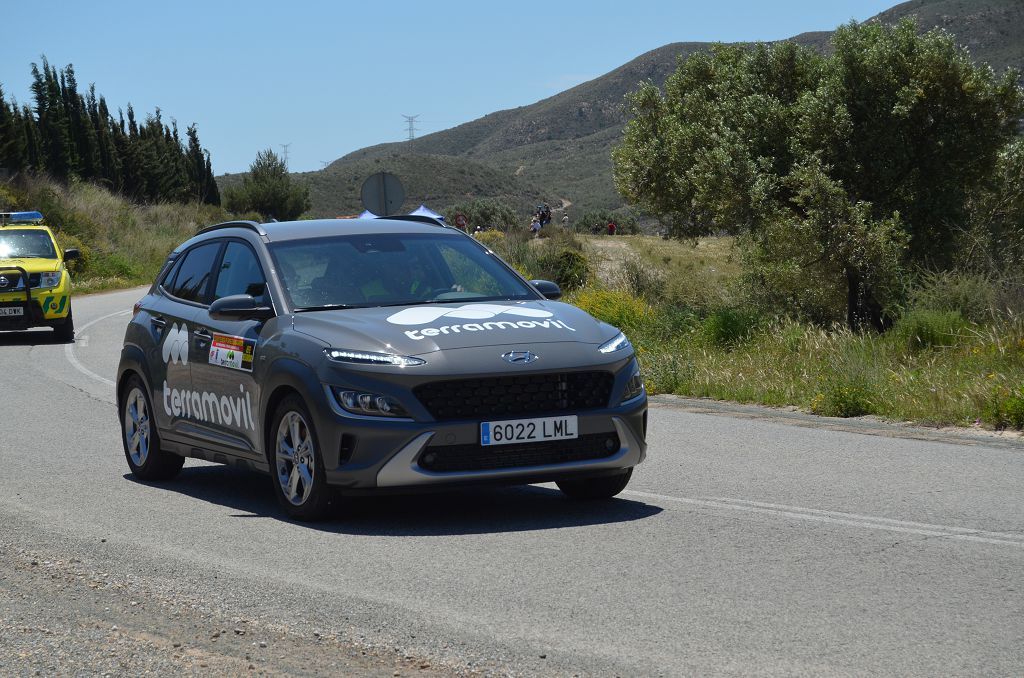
column 366, row 453
column 41, row 307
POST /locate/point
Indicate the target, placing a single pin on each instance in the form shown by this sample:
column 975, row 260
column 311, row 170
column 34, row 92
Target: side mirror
column 239, row 307
column 549, row 289
column 72, row 254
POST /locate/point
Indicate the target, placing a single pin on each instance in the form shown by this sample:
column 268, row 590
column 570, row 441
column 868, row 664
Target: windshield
column 391, row 269
column 24, row 243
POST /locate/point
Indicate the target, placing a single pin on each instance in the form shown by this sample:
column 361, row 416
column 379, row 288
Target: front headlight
column 634, row 387
column 616, row 343
column 49, row 279
column 368, row 404
column 371, row 358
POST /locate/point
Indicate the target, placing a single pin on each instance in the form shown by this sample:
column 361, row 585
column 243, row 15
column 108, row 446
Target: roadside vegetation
column 122, row 243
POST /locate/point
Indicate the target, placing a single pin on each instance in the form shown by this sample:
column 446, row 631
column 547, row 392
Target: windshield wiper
column 325, row 307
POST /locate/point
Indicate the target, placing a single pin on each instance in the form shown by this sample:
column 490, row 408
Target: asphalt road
column 747, row 544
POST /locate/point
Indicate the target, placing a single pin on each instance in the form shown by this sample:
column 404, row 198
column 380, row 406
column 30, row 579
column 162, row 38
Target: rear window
column 191, row 280
column 26, row 244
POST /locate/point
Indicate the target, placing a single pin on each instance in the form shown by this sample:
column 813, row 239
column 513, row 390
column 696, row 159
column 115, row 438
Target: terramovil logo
column 421, row 315
column 175, row 346
column 234, row 411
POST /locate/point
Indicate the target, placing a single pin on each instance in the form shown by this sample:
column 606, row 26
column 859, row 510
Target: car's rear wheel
column 65, row 331
column 600, row 487
column 299, row 479
column 139, row 435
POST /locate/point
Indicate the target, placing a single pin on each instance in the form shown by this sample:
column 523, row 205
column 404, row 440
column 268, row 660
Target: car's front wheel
column 300, row 483
column 139, row 435
column 600, row 487
column 65, row 331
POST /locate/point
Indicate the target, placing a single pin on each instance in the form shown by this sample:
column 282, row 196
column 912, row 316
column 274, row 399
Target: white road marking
column 69, row 349
column 82, row 341
column 839, row 518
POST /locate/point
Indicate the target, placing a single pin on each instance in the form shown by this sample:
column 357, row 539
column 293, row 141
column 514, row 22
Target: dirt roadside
column 64, row 617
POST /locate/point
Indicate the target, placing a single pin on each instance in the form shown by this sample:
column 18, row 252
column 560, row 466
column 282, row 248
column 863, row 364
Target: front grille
column 13, row 282
column 452, row 458
column 532, row 394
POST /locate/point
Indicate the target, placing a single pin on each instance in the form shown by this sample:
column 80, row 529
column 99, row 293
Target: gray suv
column 342, row 356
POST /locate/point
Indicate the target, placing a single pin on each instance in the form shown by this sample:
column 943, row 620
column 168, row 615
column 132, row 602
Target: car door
column 225, row 351
column 171, row 320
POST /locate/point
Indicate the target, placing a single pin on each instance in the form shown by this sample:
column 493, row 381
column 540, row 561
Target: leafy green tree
column 70, row 135
column 12, row 139
column 837, row 170
column 268, row 189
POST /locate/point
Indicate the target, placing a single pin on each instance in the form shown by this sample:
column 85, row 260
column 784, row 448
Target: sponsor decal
column 422, row 315
column 209, row 407
column 175, row 346
column 232, row 352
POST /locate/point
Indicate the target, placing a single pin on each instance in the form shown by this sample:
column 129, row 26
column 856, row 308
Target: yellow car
column 35, row 288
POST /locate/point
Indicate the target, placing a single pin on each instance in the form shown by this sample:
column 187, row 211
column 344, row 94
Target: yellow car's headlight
column 49, row 279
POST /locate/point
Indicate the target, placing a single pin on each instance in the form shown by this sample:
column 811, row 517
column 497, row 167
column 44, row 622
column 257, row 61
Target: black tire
column 601, row 487
column 140, row 437
column 65, row 332
column 300, row 482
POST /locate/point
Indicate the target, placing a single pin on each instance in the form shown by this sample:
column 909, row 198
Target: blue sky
column 331, row 77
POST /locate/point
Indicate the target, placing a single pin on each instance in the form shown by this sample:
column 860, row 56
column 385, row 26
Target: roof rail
column 422, row 218
column 251, row 225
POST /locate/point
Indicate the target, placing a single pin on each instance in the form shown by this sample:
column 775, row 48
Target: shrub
column 78, row 266
column 843, row 397
column 596, row 221
column 640, row 279
column 919, row 330
column 1003, row 408
column 728, row 327
column 491, row 239
column 972, row 295
column 622, row 310
column 484, row 212
column 567, row 267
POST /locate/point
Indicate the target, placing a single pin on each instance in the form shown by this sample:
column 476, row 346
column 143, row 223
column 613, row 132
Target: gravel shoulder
column 64, row 614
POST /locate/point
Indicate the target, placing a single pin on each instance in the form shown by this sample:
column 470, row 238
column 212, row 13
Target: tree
column 836, row 170
column 269, row 190
column 70, row 135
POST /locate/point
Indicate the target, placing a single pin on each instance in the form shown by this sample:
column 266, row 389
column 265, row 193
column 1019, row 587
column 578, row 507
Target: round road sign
column 382, row 194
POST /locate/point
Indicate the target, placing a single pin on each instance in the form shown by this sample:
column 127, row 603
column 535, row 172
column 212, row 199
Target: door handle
column 202, row 336
column 158, row 321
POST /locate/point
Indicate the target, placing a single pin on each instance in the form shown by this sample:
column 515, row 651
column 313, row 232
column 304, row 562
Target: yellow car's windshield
column 26, row 243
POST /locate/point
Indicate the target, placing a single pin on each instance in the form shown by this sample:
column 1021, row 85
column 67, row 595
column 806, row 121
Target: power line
column 285, row 148
column 411, row 120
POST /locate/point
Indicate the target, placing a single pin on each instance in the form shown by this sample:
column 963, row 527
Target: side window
column 192, row 279
column 240, row 273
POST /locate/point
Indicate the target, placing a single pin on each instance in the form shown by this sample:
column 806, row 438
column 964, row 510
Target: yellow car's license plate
column 11, row 310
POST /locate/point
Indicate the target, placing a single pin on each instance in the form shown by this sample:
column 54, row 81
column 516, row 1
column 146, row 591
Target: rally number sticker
column 232, row 352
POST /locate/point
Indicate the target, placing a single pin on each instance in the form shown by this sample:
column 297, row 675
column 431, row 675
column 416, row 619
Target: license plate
column 12, row 310
column 528, row 430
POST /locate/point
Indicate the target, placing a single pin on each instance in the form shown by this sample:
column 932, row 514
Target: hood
column 425, row 328
column 32, row 264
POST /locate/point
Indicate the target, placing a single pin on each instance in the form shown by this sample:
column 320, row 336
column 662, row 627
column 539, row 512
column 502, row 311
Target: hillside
column 435, row 180
column 560, row 146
